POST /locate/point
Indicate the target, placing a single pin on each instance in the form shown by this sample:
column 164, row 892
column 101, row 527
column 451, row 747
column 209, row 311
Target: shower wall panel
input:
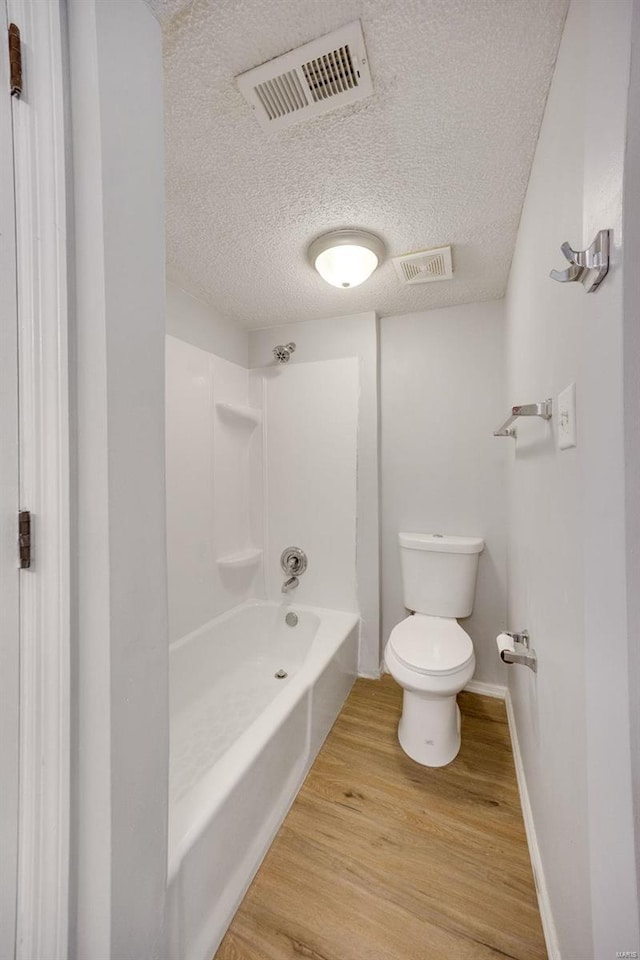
column 310, row 479
column 209, row 487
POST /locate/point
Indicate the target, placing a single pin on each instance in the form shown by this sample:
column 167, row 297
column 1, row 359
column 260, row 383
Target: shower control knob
column 293, row 561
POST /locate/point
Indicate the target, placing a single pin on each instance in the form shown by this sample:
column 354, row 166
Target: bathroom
column 306, row 417
column 352, row 581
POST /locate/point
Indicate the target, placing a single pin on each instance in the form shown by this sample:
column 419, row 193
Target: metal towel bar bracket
column 589, row 266
column 543, row 409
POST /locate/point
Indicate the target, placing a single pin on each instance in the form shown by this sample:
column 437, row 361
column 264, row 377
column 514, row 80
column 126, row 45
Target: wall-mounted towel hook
column 589, row 266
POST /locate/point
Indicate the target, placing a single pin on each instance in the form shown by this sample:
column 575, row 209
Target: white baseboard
column 487, row 689
column 544, row 902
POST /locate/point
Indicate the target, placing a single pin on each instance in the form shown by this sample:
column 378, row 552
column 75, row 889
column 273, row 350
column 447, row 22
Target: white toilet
column 428, row 653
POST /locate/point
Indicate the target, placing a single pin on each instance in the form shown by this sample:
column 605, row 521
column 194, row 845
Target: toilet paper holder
column 527, row 658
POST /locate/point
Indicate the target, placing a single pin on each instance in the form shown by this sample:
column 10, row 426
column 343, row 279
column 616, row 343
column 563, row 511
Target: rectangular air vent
column 425, row 266
column 318, row 77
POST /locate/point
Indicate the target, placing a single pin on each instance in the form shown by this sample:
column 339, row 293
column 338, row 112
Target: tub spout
column 290, row 584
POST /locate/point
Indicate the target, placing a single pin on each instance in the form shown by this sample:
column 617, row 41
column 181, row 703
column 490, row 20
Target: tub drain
column 280, row 674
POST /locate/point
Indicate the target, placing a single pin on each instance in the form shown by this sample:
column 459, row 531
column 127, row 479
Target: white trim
column 41, row 227
column 9, row 506
column 487, row 689
column 544, row 901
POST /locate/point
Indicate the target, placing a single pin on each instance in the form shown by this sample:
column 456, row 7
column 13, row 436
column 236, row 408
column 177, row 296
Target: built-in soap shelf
column 250, row 416
column 241, row 560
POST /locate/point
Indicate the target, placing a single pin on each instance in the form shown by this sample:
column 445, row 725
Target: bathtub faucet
column 290, row 584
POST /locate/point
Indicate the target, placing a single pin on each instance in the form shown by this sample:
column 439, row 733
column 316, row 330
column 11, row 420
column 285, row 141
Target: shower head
column 283, row 352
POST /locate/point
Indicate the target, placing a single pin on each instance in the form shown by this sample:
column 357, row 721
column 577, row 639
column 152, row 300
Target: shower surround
column 256, row 460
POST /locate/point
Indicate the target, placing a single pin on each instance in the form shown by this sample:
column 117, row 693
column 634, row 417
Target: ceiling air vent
column 425, row 266
column 318, row 77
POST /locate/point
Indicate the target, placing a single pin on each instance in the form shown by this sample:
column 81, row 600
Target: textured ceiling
column 439, row 154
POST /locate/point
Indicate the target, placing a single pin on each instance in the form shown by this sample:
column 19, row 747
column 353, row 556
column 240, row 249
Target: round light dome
column 346, row 258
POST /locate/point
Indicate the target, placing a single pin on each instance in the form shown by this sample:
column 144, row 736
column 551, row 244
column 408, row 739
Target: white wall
column 441, row 398
column 119, row 604
column 190, row 319
column 566, row 509
column 614, row 882
column 545, row 544
column 209, row 511
column 310, row 444
column 354, row 336
column 631, row 353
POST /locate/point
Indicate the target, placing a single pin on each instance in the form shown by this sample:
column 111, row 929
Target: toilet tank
column 439, row 573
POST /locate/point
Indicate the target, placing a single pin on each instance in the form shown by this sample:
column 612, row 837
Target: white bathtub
column 242, row 742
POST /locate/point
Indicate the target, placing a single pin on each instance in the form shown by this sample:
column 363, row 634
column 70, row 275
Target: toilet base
column 429, row 729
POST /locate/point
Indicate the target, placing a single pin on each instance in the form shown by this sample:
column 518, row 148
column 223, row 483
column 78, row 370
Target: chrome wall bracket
column 589, row 266
column 543, row 409
column 522, row 652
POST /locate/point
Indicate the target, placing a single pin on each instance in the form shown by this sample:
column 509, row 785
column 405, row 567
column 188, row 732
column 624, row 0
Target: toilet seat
column 433, row 646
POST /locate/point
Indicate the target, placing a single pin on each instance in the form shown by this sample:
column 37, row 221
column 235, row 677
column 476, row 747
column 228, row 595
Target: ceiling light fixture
column 346, row 258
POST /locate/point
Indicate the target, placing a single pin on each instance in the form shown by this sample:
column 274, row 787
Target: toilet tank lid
column 441, row 543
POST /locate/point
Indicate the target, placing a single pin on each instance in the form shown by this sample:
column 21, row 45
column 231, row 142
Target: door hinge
column 15, row 61
column 24, row 539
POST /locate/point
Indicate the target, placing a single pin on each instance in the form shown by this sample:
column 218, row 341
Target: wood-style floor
column 382, row 859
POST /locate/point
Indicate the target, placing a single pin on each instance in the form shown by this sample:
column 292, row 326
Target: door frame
column 9, row 507
column 41, row 204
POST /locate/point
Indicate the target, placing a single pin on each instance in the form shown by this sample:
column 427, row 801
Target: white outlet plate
column 567, row 418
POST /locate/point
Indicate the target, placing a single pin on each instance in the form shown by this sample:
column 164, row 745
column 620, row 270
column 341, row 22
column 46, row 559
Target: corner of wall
column 121, row 742
column 190, row 319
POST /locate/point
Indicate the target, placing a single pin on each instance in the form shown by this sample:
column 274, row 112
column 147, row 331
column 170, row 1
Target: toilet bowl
column 432, row 659
column 428, row 653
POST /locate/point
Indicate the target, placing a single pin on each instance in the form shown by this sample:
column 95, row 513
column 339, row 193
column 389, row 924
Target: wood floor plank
column 380, row 858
